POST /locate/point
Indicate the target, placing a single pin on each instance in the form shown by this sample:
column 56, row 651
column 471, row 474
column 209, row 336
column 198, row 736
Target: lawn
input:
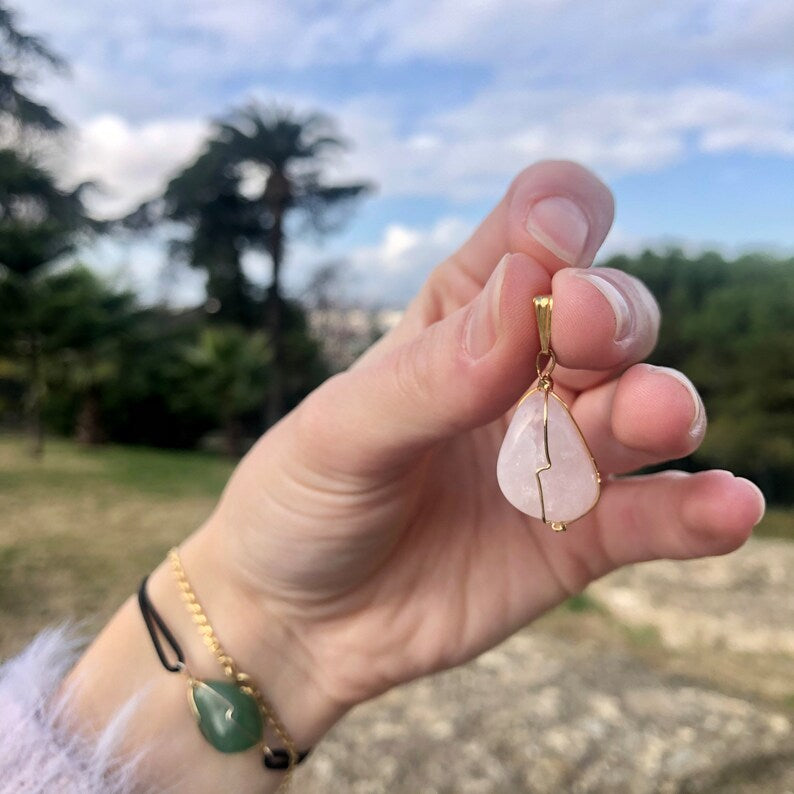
column 778, row 523
column 83, row 525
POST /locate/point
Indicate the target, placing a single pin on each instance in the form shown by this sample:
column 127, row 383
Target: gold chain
column 230, row 667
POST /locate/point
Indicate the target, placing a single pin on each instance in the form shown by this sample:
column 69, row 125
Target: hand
column 368, row 525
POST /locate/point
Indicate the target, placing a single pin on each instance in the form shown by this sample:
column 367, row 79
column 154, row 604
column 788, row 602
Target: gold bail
column 543, row 305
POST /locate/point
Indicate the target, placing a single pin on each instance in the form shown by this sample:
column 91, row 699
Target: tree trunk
column 232, row 437
column 274, row 406
column 278, row 190
column 34, row 398
column 88, row 429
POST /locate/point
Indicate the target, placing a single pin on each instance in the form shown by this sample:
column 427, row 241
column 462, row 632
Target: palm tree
column 18, row 53
column 261, row 167
column 206, row 198
column 281, row 156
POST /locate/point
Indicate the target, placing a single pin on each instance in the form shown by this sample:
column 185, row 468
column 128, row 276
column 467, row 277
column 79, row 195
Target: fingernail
column 559, row 225
column 761, row 499
column 482, row 327
column 624, row 321
column 698, row 424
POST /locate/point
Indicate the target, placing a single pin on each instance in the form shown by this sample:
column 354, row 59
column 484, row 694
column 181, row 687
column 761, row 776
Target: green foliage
column 180, row 378
column 305, row 368
column 288, row 151
column 778, row 523
column 154, row 400
column 230, row 367
column 730, row 327
column 582, row 602
column 109, row 369
column 82, row 322
column 230, row 374
column 85, row 356
column 19, row 53
column 39, row 221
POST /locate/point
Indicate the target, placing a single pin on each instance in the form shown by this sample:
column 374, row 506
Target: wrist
column 120, row 678
column 262, row 645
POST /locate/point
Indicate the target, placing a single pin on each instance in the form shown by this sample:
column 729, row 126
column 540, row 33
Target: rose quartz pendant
column 559, row 488
column 545, row 468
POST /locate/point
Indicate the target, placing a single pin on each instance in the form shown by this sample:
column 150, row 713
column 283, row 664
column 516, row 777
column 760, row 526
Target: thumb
column 459, row 373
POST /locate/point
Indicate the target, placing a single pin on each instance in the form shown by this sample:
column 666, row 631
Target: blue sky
column 686, row 108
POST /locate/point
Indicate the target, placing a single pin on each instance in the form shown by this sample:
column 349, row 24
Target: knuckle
column 311, row 418
column 564, row 175
column 413, row 366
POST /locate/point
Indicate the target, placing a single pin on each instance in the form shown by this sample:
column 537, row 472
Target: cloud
column 620, row 85
column 618, row 42
column 303, row 33
column 158, row 54
column 130, row 162
column 472, row 151
column 391, row 271
column 141, row 266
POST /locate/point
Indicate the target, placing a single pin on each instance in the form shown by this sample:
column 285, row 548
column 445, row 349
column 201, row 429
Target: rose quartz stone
column 570, row 486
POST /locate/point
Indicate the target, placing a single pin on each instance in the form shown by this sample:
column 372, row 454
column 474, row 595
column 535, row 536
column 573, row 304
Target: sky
column 684, row 107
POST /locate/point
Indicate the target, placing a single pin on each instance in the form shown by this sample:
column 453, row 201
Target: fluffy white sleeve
column 38, row 756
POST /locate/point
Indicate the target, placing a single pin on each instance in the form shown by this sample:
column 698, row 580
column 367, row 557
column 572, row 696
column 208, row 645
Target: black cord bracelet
column 276, row 758
column 151, row 617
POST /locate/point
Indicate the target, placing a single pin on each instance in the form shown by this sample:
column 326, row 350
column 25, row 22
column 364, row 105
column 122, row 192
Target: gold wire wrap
column 230, row 668
column 543, row 306
column 544, row 365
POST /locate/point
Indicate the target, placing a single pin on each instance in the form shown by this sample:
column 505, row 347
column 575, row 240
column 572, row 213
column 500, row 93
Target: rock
column 741, row 603
column 542, row 715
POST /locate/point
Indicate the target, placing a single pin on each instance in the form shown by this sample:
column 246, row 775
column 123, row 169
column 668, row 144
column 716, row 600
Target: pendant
column 545, row 468
column 227, row 716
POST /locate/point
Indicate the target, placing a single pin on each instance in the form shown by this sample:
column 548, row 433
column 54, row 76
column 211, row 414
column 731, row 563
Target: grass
column 81, row 526
column 778, row 523
column 582, row 602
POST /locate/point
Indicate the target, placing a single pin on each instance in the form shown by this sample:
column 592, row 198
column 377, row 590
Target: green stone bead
column 228, row 717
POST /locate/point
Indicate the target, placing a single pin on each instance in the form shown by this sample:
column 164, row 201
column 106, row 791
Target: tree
column 154, row 397
column 38, row 220
column 261, row 167
column 39, row 223
column 231, row 369
column 19, row 52
column 287, row 152
column 83, row 321
column 173, row 374
column 728, row 325
column 206, row 198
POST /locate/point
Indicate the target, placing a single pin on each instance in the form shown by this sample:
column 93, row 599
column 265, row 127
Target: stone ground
column 669, row 677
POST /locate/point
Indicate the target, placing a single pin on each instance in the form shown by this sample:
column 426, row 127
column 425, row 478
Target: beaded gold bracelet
column 231, row 714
